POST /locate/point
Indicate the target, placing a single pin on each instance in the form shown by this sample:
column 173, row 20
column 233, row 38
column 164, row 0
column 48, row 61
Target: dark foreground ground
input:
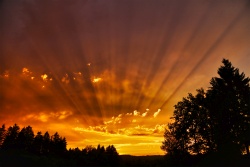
column 152, row 160
column 16, row 159
column 161, row 161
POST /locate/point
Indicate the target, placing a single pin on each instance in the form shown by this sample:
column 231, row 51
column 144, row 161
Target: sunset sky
column 110, row 71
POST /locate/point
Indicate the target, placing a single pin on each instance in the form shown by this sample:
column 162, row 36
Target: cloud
column 136, row 130
column 144, row 114
column 26, row 72
column 160, row 128
column 96, row 79
column 5, row 74
column 127, row 118
column 44, row 77
column 157, row 113
column 130, row 124
column 65, row 79
column 49, row 72
column 98, row 128
column 45, row 117
column 129, row 114
column 37, row 117
column 136, row 113
column 114, row 120
column 61, row 114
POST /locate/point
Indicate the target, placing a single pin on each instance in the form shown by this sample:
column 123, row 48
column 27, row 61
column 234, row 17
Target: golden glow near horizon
column 111, row 72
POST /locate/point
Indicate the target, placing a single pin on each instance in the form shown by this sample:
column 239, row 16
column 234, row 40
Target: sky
column 110, row 71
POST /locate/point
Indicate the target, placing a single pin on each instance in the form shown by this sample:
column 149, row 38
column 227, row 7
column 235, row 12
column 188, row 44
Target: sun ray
column 111, row 72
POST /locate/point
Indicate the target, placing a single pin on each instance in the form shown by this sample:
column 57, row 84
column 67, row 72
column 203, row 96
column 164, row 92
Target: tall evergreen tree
column 10, row 141
column 38, row 143
column 58, row 144
column 46, row 143
column 228, row 103
column 25, row 138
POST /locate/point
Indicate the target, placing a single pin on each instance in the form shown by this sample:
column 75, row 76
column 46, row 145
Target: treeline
column 212, row 126
column 91, row 156
column 20, row 147
column 41, row 144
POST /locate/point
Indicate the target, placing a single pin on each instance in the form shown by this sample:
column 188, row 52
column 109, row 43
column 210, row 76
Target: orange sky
column 110, row 72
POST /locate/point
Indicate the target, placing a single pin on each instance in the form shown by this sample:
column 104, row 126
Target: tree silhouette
column 112, row 155
column 58, row 144
column 214, row 121
column 10, row 141
column 2, row 134
column 25, row 138
column 92, row 156
column 190, row 131
column 46, row 143
column 38, row 143
column 101, row 157
column 22, row 148
column 229, row 107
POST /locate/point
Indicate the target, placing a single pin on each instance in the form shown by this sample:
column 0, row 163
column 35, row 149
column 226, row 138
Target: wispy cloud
column 131, row 124
column 157, row 113
column 45, row 117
